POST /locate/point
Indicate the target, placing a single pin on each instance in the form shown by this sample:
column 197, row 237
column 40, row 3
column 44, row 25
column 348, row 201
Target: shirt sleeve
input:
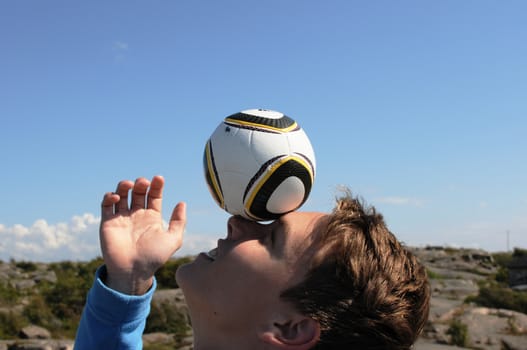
column 112, row 320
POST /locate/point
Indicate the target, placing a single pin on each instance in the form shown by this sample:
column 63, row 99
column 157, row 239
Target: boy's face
column 236, row 288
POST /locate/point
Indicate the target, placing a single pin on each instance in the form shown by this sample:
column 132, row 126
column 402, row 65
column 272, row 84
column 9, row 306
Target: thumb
column 178, row 221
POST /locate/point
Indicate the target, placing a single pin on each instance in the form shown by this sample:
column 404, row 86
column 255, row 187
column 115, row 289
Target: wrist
column 127, row 283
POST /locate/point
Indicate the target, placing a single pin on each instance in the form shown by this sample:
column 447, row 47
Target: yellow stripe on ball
column 212, row 176
column 248, row 203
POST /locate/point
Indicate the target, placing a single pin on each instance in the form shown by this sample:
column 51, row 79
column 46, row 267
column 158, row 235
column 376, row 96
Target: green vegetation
column 497, row 295
column 163, row 318
column 458, row 332
column 495, row 292
column 66, row 297
column 434, row 275
column 165, row 276
column 8, row 294
column 451, row 250
column 10, row 324
column 54, row 306
column 502, row 259
column 502, row 275
column 58, row 306
column 26, row 266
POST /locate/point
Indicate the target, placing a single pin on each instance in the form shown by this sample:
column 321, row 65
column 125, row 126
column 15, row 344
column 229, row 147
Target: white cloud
column 42, row 241
column 28, row 248
column 76, row 240
column 20, row 231
column 81, row 223
column 400, row 201
column 194, row 244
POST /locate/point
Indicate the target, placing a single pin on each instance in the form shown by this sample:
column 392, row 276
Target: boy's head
column 307, row 280
column 363, row 287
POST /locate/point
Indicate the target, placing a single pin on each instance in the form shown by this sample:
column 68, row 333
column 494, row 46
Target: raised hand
column 134, row 242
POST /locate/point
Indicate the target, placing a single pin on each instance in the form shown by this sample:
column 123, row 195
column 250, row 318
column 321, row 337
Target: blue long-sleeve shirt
column 112, row 320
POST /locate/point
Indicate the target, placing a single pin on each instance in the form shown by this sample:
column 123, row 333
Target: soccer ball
column 259, row 164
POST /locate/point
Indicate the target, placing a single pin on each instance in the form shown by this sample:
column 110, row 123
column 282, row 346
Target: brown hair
column 363, row 287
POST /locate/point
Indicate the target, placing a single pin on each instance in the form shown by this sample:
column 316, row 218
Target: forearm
column 112, row 320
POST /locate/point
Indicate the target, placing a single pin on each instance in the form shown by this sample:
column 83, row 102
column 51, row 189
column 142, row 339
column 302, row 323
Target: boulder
column 34, row 332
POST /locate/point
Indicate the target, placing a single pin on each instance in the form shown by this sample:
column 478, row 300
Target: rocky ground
column 458, row 272
column 455, row 276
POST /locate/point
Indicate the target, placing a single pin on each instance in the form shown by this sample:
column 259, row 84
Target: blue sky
column 420, row 107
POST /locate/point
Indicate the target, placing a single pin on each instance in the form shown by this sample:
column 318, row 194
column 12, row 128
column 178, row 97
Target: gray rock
column 34, row 332
column 157, row 338
column 24, row 284
column 36, row 345
column 423, row 344
column 456, row 274
column 33, row 345
column 47, row 276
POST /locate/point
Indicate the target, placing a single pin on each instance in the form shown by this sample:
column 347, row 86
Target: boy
column 306, row 281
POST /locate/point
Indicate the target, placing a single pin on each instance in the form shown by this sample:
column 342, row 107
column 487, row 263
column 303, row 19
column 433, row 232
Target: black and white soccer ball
column 259, row 164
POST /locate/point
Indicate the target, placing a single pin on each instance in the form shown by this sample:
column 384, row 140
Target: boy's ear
column 298, row 334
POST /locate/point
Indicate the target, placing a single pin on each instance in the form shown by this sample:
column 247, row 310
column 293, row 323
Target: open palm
column 134, row 240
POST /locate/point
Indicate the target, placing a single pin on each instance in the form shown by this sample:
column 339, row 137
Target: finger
column 107, row 205
column 155, row 194
column 139, row 193
column 123, row 187
column 177, row 223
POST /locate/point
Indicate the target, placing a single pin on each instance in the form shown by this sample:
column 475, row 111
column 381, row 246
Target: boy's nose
column 241, row 228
